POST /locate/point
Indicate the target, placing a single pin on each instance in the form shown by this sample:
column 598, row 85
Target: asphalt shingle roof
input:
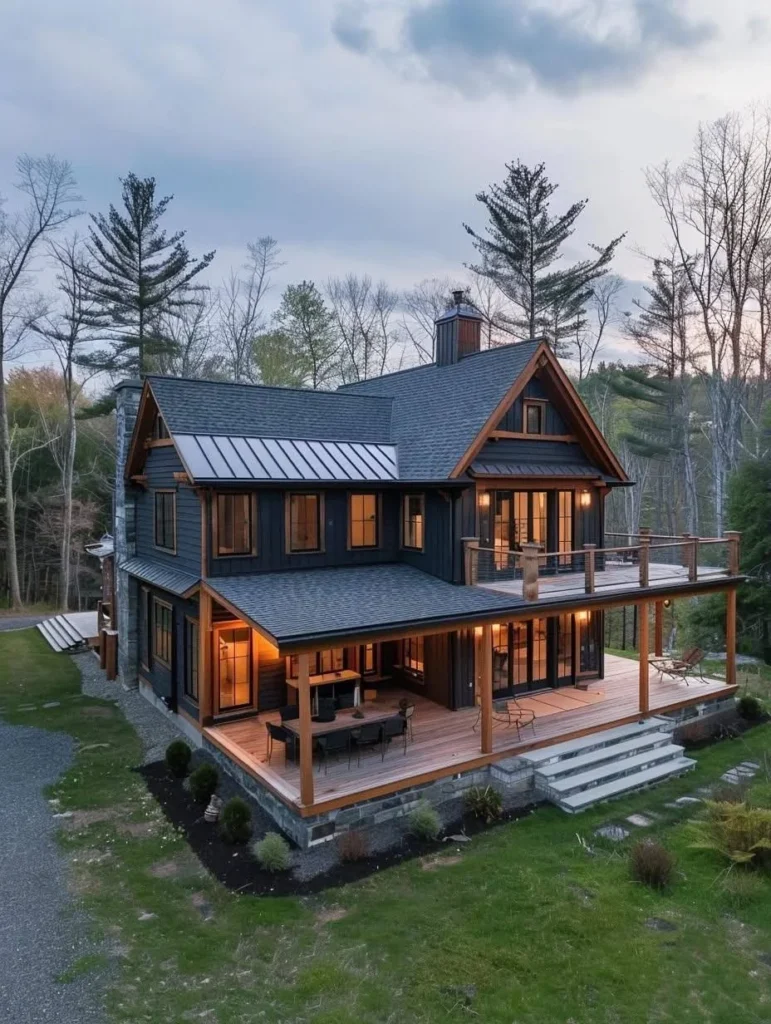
column 439, row 410
column 304, row 605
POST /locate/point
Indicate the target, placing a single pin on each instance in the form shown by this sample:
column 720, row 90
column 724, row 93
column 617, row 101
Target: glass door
column 565, row 650
column 234, row 667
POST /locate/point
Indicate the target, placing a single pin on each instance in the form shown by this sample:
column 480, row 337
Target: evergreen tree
column 139, row 277
column 277, row 361
column 521, row 245
column 303, row 318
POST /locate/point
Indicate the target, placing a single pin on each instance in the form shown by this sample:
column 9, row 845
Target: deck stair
column 579, row 773
column 69, row 632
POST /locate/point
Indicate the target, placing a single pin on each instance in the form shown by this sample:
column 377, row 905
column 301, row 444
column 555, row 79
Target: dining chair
column 392, row 728
column 334, row 743
column 367, row 736
column 278, row 734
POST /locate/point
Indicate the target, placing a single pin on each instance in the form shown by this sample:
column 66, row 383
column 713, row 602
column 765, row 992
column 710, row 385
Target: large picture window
column 304, row 522
column 413, row 521
column 166, row 520
column 162, row 632
column 332, row 660
column 235, row 526
column 234, row 662
column 414, row 656
column 363, row 520
column 191, row 659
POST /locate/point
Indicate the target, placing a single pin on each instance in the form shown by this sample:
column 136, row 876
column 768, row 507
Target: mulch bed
column 236, row 868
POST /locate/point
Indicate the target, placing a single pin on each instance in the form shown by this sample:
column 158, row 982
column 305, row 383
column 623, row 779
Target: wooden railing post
column 529, row 563
column 589, row 557
column 690, row 555
column 644, row 555
column 658, row 629
column 470, row 560
column 306, row 737
column 733, row 537
column 486, row 685
column 643, row 645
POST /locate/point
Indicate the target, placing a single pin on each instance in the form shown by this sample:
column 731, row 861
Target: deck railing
column 647, row 561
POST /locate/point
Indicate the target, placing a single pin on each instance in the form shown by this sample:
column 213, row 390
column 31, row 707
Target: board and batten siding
column 167, row 683
column 162, row 463
column 512, row 420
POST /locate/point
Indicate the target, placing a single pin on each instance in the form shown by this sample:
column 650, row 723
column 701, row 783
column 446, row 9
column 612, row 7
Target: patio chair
column 689, row 663
column 392, row 728
column 278, row 734
column 366, row 736
column 289, row 712
column 334, row 743
column 326, row 710
column 506, row 711
column 408, row 713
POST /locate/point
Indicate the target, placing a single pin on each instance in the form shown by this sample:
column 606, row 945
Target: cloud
column 481, row 45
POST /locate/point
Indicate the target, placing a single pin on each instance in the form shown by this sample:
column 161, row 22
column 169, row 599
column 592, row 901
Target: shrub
column 424, row 821
column 178, row 755
column 203, row 782
column 740, row 889
column 485, row 803
column 651, row 863
column 272, row 852
column 738, row 832
column 750, row 708
column 236, row 821
column 353, row 846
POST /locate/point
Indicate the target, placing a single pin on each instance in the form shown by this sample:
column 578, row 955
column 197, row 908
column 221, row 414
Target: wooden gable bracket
column 181, row 477
column 139, row 478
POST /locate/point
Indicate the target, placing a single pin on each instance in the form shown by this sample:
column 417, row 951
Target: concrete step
column 72, row 634
column 596, row 756
column 604, row 738
column 53, row 637
column 604, row 773
column 576, row 802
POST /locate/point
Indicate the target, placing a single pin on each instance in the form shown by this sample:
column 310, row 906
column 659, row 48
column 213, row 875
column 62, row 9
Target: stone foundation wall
column 703, row 721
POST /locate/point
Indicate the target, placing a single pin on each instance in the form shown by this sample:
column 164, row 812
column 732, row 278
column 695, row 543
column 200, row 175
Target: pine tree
column 139, row 277
column 519, row 250
column 304, row 319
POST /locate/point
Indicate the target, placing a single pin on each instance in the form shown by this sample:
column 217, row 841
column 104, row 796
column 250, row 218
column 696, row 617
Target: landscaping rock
column 616, row 833
column 639, row 820
column 658, row 924
column 684, row 801
column 52, row 704
column 145, row 915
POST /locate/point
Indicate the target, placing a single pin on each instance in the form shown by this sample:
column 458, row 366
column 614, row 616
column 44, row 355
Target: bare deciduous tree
column 602, row 314
column 421, row 307
column 364, row 317
column 241, row 315
column 197, row 349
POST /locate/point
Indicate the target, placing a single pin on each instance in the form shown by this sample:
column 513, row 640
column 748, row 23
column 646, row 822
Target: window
column 162, row 634
column 564, row 647
column 368, row 660
column 165, row 520
column 332, row 660
column 363, row 520
column 539, row 651
column 159, row 432
column 413, row 517
column 413, row 655
column 533, row 418
column 565, row 525
column 235, row 529
column 144, row 628
column 234, row 663
column 501, row 668
column 538, row 532
column 304, row 521
column 191, row 659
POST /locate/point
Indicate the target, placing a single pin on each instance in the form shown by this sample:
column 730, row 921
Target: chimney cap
column 460, row 309
column 458, row 296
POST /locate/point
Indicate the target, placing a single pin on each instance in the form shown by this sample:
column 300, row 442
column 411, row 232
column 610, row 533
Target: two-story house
column 296, row 565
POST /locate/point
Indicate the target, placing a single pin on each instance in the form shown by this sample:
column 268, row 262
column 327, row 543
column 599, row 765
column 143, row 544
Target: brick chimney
column 458, row 331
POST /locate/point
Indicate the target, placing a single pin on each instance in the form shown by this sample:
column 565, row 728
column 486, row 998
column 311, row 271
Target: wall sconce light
column 667, row 603
column 479, row 630
column 484, row 499
column 585, row 499
column 583, row 617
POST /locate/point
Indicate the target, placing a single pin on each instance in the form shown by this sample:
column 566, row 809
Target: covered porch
column 447, row 742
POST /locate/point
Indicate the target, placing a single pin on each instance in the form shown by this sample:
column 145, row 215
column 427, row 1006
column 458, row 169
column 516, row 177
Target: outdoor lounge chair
column 689, row 663
column 507, row 711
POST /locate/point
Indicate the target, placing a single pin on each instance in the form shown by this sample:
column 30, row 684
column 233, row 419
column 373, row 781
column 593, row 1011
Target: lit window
column 235, row 660
column 304, row 522
column 234, row 524
column 162, row 634
column 413, row 655
column 165, row 520
column 363, row 518
column 413, row 517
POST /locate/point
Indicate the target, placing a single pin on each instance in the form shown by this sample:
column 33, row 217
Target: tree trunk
column 67, row 478
column 10, row 507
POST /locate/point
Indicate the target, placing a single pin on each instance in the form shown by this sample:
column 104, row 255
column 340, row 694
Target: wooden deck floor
column 621, row 576
column 446, row 741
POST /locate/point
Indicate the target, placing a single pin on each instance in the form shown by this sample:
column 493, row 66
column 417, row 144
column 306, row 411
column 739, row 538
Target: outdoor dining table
column 345, row 720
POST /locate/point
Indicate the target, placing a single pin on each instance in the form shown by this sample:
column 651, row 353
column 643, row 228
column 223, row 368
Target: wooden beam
column 486, row 687
column 306, row 738
column 644, row 640
column 658, row 629
column 733, row 537
column 205, row 682
column 730, row 637
column 529, row 563
column 518, row 435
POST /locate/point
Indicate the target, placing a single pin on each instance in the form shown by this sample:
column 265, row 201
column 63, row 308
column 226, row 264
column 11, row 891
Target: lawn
column 522, row 926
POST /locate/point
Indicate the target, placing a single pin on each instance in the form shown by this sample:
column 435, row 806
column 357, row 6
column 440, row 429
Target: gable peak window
column 166, row 520
column 235, row 524
column 305, row 517
column 413, row 521
column 364, row 520
column 159, row 431
column 534, row 417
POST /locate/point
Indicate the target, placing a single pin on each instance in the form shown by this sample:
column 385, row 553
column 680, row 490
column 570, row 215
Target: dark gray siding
column 537, row 453
column 161, row 465
column 168, row 683
column 271, row 676
column 554, row 423
column 436, row 557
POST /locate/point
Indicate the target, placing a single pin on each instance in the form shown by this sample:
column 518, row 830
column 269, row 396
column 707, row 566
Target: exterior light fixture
column 484, row 499
column 667, row 603
column 583, row 616
column 585, row 499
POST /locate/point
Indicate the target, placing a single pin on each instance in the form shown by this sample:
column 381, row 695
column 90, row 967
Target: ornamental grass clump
column 203, row 782
column 236, row 821
column 738, row 832
column 750, row 708
column 272, row 852
column 652, row 864
column 485, row 803
column 178, row 755
column 424, row 822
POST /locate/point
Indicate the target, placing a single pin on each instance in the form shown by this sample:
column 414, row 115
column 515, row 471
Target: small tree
column 309, row 327
column 139, row 275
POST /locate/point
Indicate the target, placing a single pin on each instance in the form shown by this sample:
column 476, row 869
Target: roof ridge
column 257, row 387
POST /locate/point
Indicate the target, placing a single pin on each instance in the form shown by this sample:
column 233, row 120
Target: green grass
column 545, row 931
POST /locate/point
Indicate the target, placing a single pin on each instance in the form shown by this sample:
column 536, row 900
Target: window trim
column 159, row 547
column 538, row 404
column 378, row 520
column 419, row 675
column 403, row 520
column 190, row 622
column 159, row 602
column 288, row 524
column 252, row 552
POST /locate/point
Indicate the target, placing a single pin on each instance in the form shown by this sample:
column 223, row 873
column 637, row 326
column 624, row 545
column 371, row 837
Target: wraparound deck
column 446, row 742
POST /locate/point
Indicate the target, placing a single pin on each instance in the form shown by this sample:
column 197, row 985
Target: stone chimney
column 458, row 331
column 127, row 396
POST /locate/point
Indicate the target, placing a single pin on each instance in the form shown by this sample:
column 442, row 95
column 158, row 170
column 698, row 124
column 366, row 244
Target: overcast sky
column 358, row 133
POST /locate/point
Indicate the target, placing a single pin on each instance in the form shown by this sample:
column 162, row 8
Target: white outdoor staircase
column 576, row 774
column 69, row 632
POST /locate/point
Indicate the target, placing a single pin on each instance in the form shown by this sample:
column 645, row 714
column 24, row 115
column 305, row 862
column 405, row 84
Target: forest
column 89, row 298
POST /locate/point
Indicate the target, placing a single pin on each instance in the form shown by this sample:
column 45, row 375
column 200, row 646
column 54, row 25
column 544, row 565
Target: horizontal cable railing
column 646, row 563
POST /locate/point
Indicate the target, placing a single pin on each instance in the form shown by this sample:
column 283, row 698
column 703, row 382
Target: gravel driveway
column 41, row 931
column 8, row 622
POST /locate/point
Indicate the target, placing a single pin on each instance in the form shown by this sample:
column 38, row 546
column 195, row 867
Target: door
column 233, row 660
column 565, row 650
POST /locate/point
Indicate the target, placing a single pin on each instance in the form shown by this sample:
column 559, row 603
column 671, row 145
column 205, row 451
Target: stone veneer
column 128, row 393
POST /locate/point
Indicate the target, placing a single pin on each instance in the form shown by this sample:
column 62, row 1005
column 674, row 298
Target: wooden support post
column 658, row 629
column 470, row 560
column 589, row 557
column 730, row 637
column 691, row 555
column 102, row 649
column 486, row 684
column 644, row 554
column 643, row 645
column 205, row 680
column 733, row 537
column 306, row 737
column 111, row 653
column 529, row 563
